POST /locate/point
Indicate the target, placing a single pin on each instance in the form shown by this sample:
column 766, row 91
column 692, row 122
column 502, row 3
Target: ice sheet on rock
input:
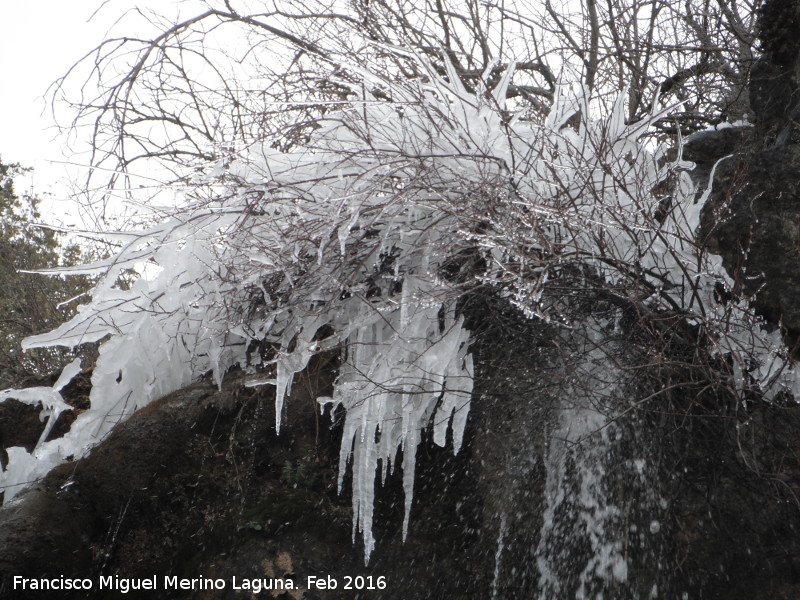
column 26, row 467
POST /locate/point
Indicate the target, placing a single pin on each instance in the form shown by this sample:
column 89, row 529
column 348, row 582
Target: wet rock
column 752, row 219
column 706, row 147
column 666, row 494
column 199, row 484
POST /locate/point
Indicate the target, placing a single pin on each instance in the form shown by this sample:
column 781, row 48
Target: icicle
column 501, row 90
column 225, row 272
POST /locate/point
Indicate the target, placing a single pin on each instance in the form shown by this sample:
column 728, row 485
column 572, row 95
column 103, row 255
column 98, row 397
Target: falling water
column 601, row 489
column 579, row 512
column 573, row 477
column 498, row 555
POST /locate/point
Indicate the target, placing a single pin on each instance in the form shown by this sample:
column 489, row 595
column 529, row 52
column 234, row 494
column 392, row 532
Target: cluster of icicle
column 359, row 240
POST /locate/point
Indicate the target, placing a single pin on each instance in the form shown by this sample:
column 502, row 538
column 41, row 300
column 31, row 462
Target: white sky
column 39, row 42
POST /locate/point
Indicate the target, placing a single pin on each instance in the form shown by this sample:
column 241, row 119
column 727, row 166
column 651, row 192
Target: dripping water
column 498, row 555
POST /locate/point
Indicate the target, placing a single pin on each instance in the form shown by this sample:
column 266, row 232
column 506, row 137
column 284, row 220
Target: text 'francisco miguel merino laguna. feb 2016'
column 257, row 585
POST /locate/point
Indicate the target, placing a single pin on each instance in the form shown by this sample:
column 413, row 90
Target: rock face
column 752, row 216
column 599, row 459
column 571, row 484
column 199, row 484
column 752, row 219
column 775, row 77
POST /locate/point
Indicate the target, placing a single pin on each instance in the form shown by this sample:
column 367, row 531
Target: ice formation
column 363, row 239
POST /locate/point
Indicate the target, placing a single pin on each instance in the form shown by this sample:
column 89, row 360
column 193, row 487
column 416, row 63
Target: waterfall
column 577, row 509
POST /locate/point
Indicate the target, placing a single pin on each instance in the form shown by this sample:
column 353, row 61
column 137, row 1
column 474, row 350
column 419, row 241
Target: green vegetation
column 30, row 303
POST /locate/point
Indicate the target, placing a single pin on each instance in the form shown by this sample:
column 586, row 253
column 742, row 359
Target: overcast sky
column 39, row 42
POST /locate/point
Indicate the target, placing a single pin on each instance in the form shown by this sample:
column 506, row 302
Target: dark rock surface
column 700, row 493
column 199, row 484
column 752, row 217
column 701, row 498
column 706, row 147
